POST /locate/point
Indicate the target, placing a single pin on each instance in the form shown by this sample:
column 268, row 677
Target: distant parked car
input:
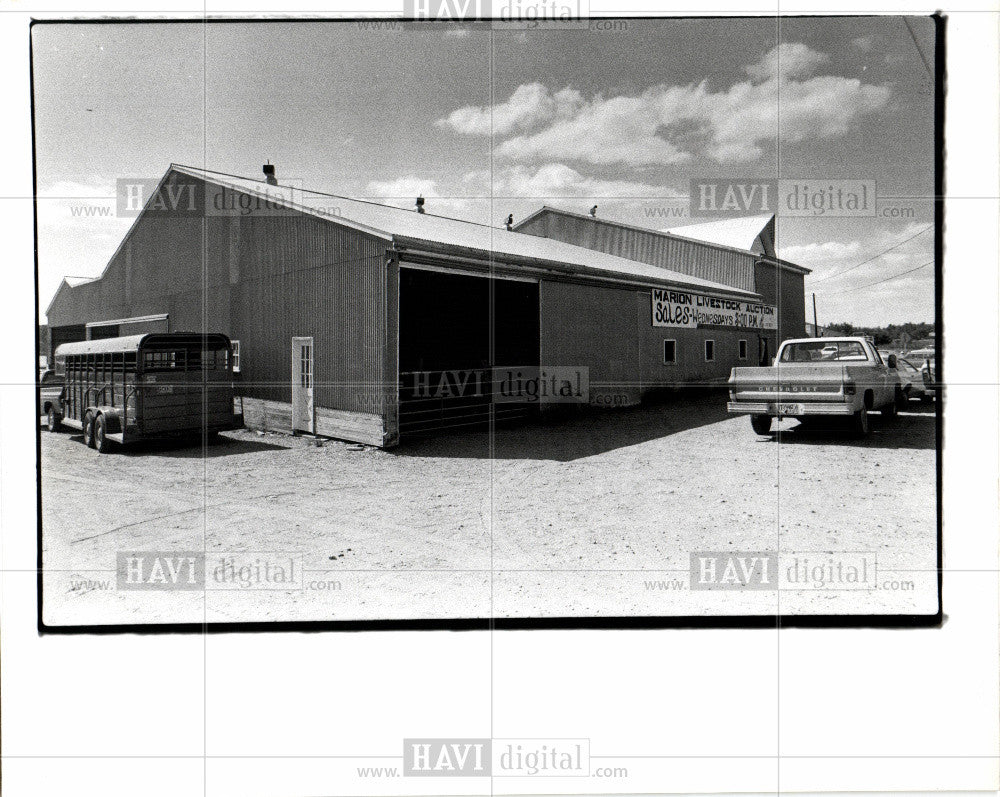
column 50, row 388
column 927, row 358
column 911, row 377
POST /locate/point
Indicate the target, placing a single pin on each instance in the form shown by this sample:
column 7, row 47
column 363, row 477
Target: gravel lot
column 594, row 515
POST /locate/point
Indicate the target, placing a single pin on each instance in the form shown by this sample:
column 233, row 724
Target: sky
column 486, row 122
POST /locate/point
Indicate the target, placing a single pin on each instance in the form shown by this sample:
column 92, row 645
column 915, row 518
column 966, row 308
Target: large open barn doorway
column 454, row 332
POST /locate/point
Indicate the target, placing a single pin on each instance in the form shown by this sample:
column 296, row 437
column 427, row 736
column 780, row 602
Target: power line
column 879, row 282
column 874, row 257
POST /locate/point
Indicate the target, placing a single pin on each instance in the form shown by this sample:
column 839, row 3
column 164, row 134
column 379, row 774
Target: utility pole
column 815, row 322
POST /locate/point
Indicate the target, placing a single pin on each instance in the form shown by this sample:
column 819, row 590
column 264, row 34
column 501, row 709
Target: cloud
column 529, row 105
column 674, row 124
column 902, row 247
column 474, row 195
column 866, row 43
column 408, row 187
column 78, row 231
column 603, row 131
column 557, row 180
column 788, row 60
column 548, row 181
column 860, row 295
column 464, row 200
column 827, row 252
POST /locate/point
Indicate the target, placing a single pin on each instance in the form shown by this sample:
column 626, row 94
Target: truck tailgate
column 801, row 383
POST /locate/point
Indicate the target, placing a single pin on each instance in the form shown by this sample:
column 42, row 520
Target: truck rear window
column 824, row 351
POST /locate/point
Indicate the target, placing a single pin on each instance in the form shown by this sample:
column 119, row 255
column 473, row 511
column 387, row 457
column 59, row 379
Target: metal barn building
column 360, row 321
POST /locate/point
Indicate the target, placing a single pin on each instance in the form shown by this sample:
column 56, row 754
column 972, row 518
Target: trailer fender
column 112, row 418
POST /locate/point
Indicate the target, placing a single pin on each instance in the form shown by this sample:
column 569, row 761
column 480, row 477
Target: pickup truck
column 50, row 388
column 812, row 377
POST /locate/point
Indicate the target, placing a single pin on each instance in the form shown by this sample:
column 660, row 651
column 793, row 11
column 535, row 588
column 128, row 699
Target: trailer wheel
column 53, row 420
column 88, row 429
column 860, row 422
column 101, row 442
column 761, row 423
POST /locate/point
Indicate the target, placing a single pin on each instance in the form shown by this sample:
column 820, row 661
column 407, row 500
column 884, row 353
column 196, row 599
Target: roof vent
column 269, row 174
column 420, row 204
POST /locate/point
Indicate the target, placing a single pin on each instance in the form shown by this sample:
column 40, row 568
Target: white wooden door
column 303, row 414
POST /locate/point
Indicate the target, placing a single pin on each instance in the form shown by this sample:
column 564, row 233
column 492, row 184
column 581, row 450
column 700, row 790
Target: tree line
column 883, row 336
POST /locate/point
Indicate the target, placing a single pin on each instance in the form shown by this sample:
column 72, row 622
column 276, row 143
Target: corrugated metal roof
column 673, row 233
column 740, row 233
column 408, row 227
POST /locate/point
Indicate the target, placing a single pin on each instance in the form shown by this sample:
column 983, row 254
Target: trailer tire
column 860, row 423
column 101, row 442
column 761, row 424
column 88, row 429
column 53, row 420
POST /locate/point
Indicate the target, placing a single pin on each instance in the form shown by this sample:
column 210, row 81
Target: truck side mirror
column 891, row 361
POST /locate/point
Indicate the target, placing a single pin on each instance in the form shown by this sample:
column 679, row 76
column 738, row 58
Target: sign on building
column 672, row 308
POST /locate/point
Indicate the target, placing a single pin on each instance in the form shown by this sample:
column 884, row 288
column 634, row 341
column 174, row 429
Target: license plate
column 789, row 409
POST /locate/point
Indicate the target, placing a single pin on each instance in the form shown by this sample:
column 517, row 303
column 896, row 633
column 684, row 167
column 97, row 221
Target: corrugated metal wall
column 610, row 331
column 697, row 260
column 261, row 279
column 301, row 277
column 786, row 289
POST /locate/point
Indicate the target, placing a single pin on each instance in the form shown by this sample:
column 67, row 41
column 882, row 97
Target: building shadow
column 572, row 432
column 195, row 448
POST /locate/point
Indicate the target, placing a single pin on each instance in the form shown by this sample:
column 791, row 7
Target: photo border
column 645, row 622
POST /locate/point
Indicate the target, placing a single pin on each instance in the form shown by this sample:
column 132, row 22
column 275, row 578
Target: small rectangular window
column 742, row 350
column 709, row 351
column 236, row 356
column 670, row 352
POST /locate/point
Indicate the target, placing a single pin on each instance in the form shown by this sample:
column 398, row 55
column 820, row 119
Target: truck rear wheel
column 53, row 420
column 88, row 429
column 761, row 423
column 861, row 423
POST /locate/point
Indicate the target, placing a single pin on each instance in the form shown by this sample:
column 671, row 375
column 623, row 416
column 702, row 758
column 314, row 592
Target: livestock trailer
column 148, row 386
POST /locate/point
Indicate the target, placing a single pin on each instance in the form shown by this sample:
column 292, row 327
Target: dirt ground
column 588, row 516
